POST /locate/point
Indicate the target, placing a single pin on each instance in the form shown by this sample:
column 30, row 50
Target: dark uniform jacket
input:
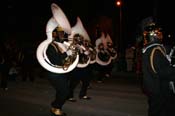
column 157, row 72
column 54, row 54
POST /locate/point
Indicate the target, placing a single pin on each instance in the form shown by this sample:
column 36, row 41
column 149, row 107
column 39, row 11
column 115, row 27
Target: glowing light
column 118, row 3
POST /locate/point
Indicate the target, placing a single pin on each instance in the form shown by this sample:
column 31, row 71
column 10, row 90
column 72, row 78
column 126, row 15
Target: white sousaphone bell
column 78, row 28
column 102, row 59
column 58, row 19
column 113, row 51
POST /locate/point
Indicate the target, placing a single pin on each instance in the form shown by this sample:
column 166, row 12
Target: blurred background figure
column 129, row 55
column 4, row 67
column 27, row 69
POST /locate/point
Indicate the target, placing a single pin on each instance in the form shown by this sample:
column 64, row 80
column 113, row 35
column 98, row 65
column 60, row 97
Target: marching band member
column 108, row 44
column 4, row 67
column 58, row 57
column 158, row 74
column 58, row 81
column 80, row 75
column 81, row 72
column 105, row 56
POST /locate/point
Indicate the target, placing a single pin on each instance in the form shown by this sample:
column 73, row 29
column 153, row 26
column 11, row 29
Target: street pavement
column 119, row 95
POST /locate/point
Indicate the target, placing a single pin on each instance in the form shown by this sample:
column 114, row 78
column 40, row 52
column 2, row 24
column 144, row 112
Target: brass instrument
column 79, row 35
column 92, row 51
column 71, row 58
column 84, row 58
column 102, row 57
column 111, row 50
column 58, row 19
column 110, row 47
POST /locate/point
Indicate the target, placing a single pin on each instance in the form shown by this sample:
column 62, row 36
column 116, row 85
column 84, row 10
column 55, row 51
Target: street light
column 119, row 4
column 121, row 50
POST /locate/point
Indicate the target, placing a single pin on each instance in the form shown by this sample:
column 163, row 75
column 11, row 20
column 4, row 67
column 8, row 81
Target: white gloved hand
column 82, row 47
column 69, row 52
column 86, row 52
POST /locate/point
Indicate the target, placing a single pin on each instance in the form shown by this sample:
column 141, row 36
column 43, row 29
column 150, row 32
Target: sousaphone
column 78, row 28
column 110, row 47
column 58, row 19
column 102, row 57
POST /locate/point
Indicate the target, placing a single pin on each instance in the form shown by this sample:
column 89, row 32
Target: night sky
column 30, row 17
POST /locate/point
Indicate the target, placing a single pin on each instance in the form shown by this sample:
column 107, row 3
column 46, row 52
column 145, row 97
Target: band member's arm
column 162, row 66
column 55, row 56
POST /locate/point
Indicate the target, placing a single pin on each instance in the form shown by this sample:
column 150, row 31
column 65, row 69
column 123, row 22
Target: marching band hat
column 59, row 28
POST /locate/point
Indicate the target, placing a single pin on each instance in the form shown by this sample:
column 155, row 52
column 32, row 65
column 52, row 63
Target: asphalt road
column 120, row 95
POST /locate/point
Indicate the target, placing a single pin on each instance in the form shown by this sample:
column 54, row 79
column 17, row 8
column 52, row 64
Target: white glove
column 69, row 52
column 82, row 47
column 90, row 49
column 86, row 52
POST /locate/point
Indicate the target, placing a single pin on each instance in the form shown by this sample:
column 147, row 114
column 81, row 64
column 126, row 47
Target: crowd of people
column 18, row 63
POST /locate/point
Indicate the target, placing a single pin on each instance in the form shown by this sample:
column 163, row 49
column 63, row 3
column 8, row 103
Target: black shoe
column 85, row 98
column 72, row 99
